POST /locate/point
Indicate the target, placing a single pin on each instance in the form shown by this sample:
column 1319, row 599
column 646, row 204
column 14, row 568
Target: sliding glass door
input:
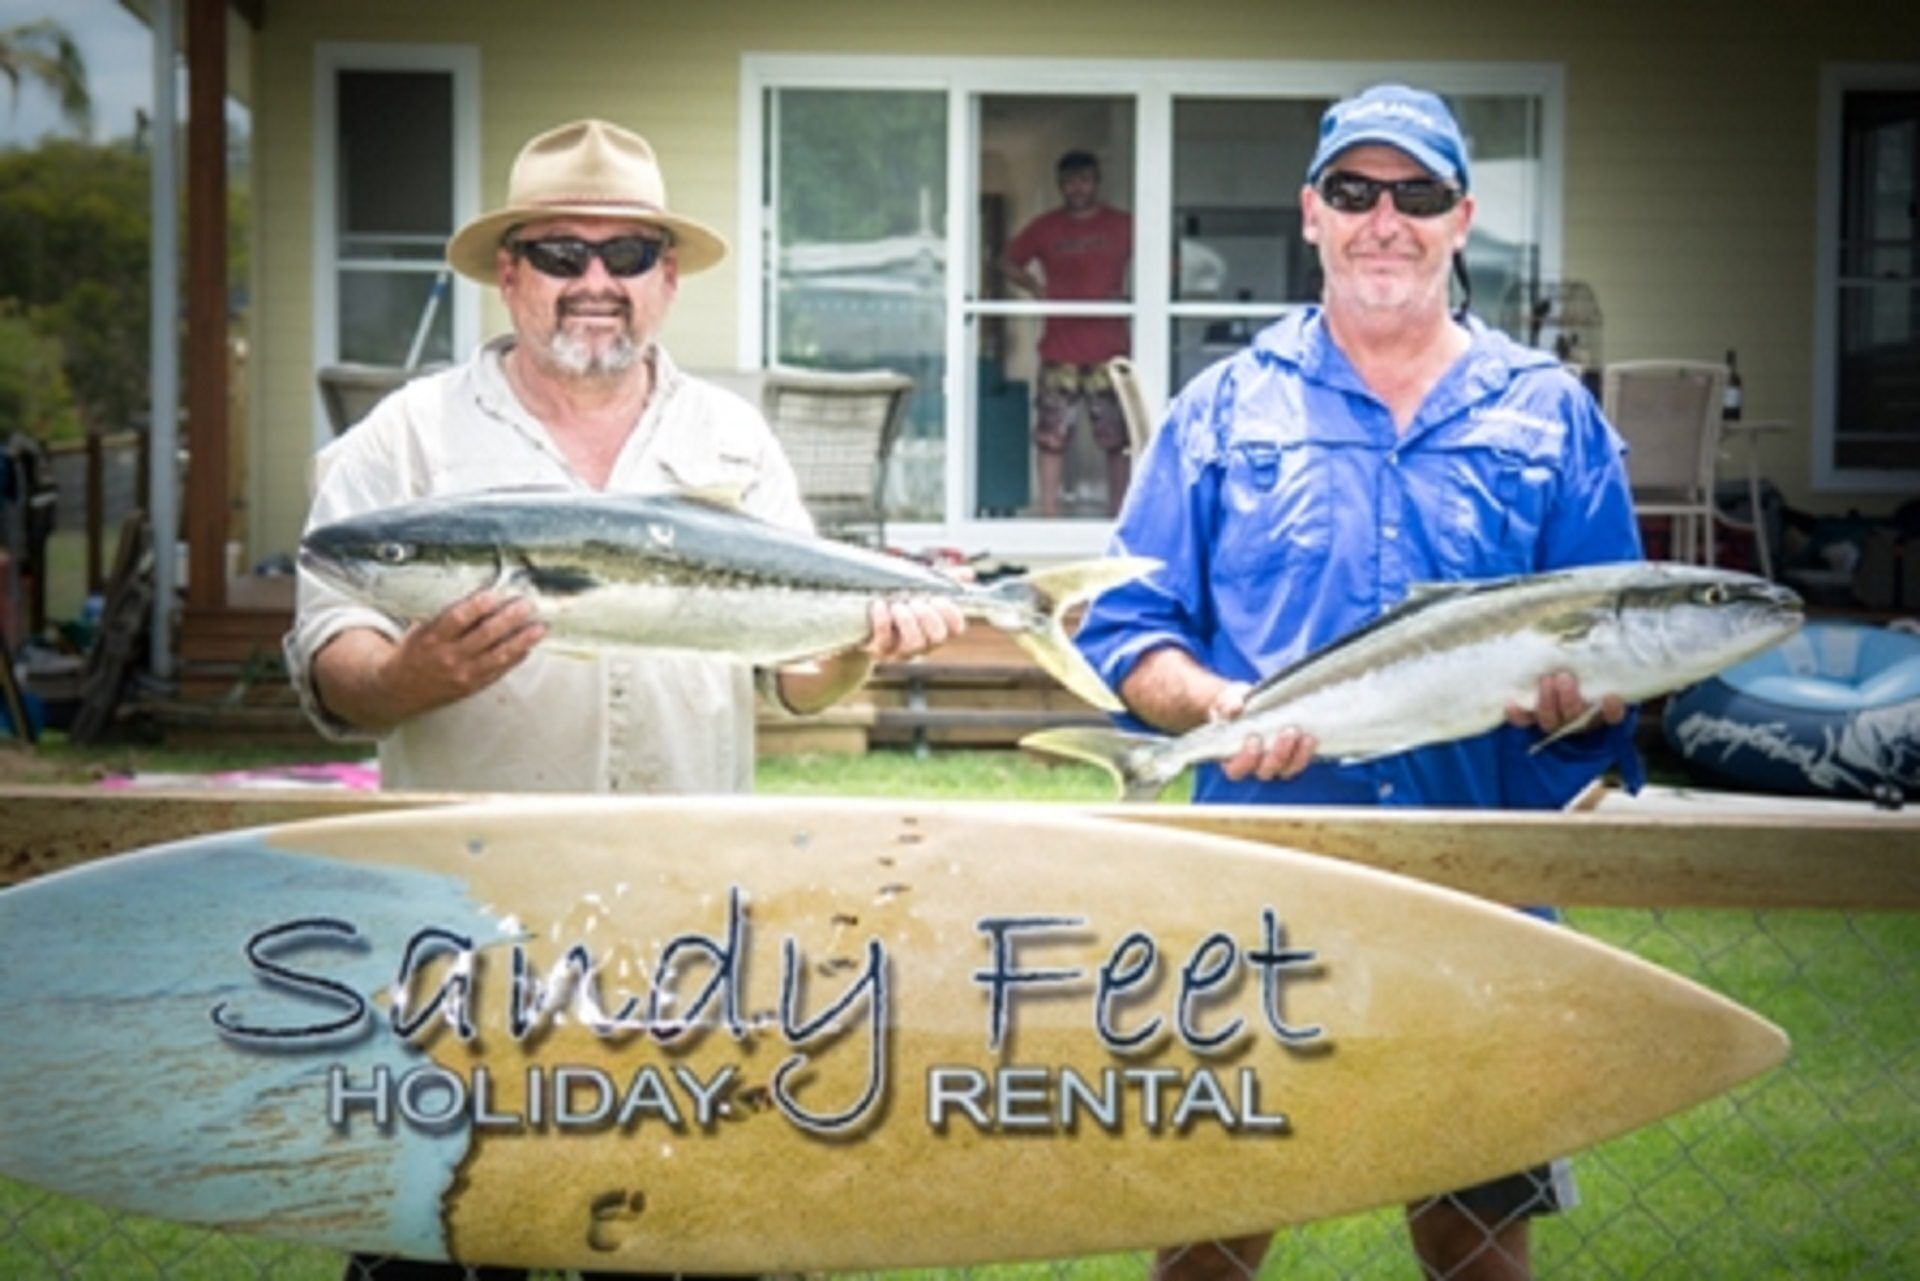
column 909, row 212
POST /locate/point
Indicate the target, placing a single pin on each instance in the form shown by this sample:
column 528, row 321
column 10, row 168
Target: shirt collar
column 494, row 394
column 1302, row 339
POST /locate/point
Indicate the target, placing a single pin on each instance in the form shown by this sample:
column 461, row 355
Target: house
column 1722, row 177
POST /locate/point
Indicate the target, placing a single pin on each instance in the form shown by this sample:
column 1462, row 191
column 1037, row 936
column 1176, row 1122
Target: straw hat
column 588, row 168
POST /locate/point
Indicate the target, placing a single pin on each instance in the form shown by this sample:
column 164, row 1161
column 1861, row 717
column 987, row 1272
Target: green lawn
column 1812, row 1171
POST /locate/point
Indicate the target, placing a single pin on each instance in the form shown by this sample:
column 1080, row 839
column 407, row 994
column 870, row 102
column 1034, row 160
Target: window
column 1867, row 381
column 396, row 162
column 857, row 257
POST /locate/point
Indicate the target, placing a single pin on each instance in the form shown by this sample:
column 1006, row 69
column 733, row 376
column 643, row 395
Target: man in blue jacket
column 1299, row 488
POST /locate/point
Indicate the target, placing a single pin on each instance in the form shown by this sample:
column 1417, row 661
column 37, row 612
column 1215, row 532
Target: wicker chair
column 1669, row 413
column 838, row 430
column 350, row 391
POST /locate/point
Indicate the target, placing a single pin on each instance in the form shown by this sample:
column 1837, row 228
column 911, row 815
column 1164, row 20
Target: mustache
column 574, row 304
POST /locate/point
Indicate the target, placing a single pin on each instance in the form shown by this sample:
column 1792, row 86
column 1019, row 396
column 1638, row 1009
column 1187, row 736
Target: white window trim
column 1153, row 84
column 1835, row 80
column 329, row 59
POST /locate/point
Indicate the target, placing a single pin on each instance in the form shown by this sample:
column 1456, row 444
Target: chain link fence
column 1812, row 1170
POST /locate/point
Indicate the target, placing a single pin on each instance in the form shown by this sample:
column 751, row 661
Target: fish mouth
column 329, row 566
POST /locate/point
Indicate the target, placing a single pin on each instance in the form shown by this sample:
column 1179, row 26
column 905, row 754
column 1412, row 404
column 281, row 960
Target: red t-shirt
column 1083, row 259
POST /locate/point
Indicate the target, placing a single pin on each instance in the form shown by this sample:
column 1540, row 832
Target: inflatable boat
column 1834, row 711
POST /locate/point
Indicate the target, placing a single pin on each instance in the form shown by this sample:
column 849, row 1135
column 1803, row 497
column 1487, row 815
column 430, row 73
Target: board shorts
column 1062, row 389
column 1544, row 1189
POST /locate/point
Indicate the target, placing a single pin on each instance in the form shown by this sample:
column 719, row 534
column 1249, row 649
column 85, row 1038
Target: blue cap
column 1407, row 119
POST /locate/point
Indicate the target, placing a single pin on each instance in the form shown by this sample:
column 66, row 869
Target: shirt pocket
column 1276, row 515
column 1495, row 503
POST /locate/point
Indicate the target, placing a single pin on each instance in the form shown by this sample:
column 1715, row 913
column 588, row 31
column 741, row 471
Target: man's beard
column 577, row 358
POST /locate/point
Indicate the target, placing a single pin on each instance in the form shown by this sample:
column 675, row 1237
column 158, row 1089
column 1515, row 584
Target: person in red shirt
column 1082, row 249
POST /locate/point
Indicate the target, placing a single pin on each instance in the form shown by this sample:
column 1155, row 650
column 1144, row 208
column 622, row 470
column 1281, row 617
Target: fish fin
column 1136, row 761
column 1583, row 721
column 1570, row 626
column 560, row 580
column 1044, row 597
column 728, row 498
column 1436, row 590
column 1365, row 758
column 572, row 653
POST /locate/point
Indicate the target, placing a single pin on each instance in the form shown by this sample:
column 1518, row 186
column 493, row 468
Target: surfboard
column 750, row 1035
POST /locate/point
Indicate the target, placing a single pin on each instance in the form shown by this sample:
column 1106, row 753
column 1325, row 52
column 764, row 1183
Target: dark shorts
column 1062, row 390
column 1545, row 1189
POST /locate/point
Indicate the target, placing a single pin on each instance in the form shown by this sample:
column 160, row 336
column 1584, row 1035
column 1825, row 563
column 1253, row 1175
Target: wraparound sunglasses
column 1355, row 193
column 568, row 257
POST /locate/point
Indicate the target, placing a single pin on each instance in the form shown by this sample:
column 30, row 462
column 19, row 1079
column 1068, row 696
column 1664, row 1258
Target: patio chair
column 1669, row 413
column 350, row 391
column 838, row 430
column 1133, row 405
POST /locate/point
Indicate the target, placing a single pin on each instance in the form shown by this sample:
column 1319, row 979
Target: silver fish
column 1445, row 662
column 680, row 573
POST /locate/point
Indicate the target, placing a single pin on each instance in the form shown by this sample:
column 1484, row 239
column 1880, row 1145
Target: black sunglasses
column 568, row 257
column 1354, row 193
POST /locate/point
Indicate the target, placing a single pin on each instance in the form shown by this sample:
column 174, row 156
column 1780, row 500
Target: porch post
column 207, row 498
column 163, row 343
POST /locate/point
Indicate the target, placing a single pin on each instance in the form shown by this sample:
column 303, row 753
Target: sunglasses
column 1353, row 193
column 568, row 257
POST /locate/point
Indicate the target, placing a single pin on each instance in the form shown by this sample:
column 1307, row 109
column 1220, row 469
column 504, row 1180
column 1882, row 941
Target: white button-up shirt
column 619, row 721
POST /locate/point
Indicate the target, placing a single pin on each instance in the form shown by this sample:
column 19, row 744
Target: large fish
column 1444, row 664
column 680, row 573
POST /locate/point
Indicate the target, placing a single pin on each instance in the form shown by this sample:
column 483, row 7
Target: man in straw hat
column 587, row 256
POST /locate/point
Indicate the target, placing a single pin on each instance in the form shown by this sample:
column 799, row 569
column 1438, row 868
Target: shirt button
column 1386, row 790
column 1393, row 457
column 1391, row 531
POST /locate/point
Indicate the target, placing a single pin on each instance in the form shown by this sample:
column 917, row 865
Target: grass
column 1811, row 1171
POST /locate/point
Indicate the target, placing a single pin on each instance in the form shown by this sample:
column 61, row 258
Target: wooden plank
column 1010, row 721
column 52, row 827
column 1860, row 860
column 1864, row 860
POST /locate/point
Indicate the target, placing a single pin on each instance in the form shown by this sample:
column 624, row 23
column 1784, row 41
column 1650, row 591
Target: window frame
column 1836, row 81
column 330, row 58
column 1153, row 84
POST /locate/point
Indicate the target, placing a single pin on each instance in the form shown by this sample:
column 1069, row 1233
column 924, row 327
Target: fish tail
column 1137, row 762
column 1033, row 607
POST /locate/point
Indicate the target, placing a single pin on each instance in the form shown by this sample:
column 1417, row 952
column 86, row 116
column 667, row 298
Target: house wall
column 1690, row 146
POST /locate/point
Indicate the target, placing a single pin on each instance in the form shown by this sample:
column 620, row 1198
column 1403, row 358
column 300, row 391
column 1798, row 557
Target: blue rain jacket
column 1288, row 513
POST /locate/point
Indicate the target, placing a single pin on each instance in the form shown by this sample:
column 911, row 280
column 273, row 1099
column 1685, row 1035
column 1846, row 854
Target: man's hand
column 1283, row 756
column 899, row 629
column 906, row 628
column 375, row 683
column 1559, row 704
column 468, row 646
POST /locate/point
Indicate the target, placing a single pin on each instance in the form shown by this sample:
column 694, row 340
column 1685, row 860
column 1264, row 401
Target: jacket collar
column 1301, row 339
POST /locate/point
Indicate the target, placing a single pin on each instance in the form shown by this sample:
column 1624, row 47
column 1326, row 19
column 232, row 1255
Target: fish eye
column 393, row 553
column 1715, row 594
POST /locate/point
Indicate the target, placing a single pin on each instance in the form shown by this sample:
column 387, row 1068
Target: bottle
column 1730, row 403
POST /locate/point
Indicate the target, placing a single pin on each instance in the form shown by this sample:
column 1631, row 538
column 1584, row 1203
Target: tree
column 73, row 255
column 34, row 396
column 43, row 51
